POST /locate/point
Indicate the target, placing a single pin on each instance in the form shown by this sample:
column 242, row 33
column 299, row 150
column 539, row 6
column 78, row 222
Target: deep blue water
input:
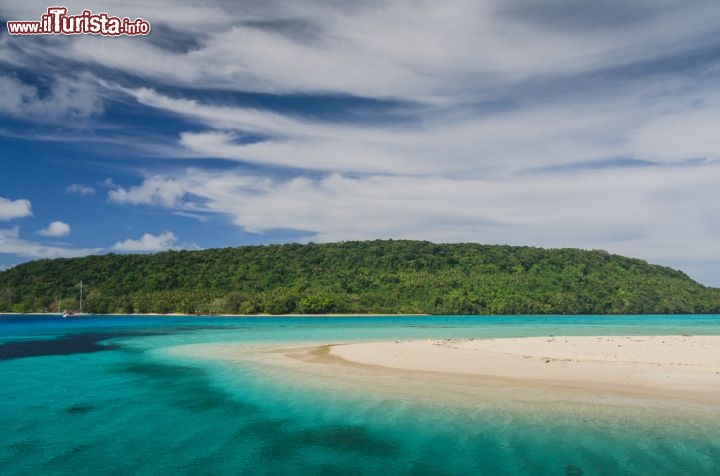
column 107, row 395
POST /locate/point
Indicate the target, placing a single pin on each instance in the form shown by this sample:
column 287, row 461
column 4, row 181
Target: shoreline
column 178, row 314
column 672, row 369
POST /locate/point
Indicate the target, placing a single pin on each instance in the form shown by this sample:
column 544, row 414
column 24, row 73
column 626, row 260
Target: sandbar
column 678, row 368
column 684, row 367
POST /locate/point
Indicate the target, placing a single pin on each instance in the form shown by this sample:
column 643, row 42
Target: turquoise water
column 105, row 395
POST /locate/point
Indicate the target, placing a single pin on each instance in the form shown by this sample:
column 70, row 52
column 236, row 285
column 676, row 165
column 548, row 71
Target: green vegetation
column 358, row 277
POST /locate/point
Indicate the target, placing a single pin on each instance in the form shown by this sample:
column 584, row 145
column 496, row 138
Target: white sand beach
column 668, row 368
column 686, row 367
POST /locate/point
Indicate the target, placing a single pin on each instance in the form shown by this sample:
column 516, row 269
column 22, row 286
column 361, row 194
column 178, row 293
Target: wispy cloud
column 11, row 243
column 409, row 49
column 67, row 99
column 81, row 190
column 669, row 119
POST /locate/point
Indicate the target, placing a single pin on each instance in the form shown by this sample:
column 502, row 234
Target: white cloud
column 442, row 56
column 408, row 48
column 665, row 214
column 10, row 209
column 55, row 229
column 154, row 191
column 693, row 133
column 664, row 120
column 81, row 190
column 67, row 99
column 148, row 242
column 11, row 243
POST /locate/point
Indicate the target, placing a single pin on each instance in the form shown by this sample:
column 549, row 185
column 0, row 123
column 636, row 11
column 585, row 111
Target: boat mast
column 81, row 296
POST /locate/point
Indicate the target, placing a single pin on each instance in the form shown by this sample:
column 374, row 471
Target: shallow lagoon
column 106, row 394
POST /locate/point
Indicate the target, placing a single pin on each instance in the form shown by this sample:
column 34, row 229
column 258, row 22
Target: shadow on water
column 84, row 343
column 275, row 442
column 281, row 442
column 346, row 439
column 74, row 456
column 24, row 447
column 187, row 388
column 80, row 408
column 572, row 470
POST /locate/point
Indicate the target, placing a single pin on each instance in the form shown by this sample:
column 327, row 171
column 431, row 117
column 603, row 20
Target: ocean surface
column 109, row 395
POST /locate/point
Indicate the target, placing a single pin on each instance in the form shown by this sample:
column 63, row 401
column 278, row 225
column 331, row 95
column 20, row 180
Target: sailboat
column 72, row 313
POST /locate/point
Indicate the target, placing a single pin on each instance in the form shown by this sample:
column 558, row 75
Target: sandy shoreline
column 660, row 368
column 685, row 367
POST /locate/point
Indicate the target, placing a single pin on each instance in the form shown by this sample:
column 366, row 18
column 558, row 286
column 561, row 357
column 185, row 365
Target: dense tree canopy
column 358, row 277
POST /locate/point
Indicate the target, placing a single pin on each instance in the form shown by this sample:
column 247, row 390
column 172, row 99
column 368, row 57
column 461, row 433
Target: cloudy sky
column 549, row 123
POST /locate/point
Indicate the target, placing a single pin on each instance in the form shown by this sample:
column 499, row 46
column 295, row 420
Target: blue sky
column 548, row 123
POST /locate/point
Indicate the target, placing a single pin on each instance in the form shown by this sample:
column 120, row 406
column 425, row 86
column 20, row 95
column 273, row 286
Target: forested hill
column 358, row 277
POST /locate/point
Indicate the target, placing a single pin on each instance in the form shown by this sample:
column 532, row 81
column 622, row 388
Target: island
column 380, row 277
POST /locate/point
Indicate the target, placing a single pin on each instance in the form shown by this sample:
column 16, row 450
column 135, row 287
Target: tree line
column 382, row 276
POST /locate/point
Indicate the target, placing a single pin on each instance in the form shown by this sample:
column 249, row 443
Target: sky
column 550, row 123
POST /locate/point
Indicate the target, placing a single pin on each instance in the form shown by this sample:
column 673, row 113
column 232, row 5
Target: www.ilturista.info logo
column 57, row 22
